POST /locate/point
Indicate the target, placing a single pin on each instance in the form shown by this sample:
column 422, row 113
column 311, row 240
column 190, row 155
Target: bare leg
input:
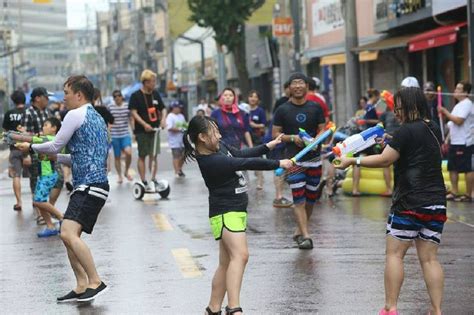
column 469, row 184
column 79, row 272
column 17, row 189
column 219, row 279
column 278, row 183
column 128, row 161
column 49, row 208
column 355, row 180
column 154, row 161
column 71, row 236
column 454, row 177
column 394, row 274
column 432, row 272
column 54, row 195
column 47, row 218
column 118, row 168
column 176, row 166
column 236, row 245
column 301, row 219
column 259, row 175
column 141, row 168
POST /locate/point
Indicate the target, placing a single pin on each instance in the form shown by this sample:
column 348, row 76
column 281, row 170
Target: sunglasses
column 117, row 95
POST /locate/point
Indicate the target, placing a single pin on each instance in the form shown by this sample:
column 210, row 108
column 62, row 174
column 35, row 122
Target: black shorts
column 460, row 158
column 85, row 204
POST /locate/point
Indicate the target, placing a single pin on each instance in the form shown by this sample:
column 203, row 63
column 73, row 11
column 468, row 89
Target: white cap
column 410, row 82
column 318, row 82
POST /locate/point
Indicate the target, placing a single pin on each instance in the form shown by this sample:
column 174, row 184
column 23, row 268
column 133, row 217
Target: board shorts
column 145, row 143
column 460, row 158
column 233, row 221
column 120, row 144
column 426, row 223
column 304, row 185
column 44, row 185
column 177, row 153
column 15, row 160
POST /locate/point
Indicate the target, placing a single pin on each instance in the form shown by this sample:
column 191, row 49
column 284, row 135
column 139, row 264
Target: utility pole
column 470, row 25
column 352, row 60
column 295, row 14
column 221, row 71
column 203, row 58
column 283, row 49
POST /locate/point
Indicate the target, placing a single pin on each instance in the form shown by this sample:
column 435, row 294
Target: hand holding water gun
column 13, row 137
column 329, row 129
column 358, row 142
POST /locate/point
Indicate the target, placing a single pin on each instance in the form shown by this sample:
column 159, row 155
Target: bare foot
column 129, row 177
column 120, row 180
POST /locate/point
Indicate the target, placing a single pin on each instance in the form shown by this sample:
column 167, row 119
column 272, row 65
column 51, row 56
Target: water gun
column 358, row 142
column 329, row 129
column 182, row 125
column 388, row 98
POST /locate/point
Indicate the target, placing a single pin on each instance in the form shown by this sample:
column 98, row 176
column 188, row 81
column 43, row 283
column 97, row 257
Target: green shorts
column 233, row 221
column 145, row 144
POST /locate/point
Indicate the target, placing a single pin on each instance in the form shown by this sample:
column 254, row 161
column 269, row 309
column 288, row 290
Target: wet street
column 158, row 256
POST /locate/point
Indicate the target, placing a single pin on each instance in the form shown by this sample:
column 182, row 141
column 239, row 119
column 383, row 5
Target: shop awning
column 339, row 59
column 384, row 44
column 440, row 36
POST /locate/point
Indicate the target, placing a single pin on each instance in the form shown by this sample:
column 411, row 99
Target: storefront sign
column 282, row 26
column 327, row 16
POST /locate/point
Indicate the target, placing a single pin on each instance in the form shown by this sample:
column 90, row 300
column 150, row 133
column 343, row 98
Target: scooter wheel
column 165, row 192
column 138, row 191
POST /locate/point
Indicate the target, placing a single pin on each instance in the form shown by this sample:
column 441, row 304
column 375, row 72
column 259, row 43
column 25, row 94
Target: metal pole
column 352, row 60
column 203, row 64
column 470, row 24
column 283, row 50
column 221, row 78
column 295, row 13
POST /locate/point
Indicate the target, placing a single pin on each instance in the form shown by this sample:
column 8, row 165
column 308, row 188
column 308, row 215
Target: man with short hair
column 121, row 140
column 313, row 95
column 288, row 119
column 84, row 133
column 461, row 149
column 12, row 122
column 32, row 122
column 149, row 113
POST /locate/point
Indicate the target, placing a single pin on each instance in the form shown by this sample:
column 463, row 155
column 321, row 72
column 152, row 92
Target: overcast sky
column 77, row 12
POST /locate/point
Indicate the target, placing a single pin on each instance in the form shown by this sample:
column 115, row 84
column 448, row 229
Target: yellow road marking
column 186, row 263
column 161, row 222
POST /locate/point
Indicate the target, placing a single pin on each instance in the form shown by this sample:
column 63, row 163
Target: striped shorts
column 304, row 185
column 425, row 223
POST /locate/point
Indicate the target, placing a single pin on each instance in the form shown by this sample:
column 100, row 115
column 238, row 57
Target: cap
column 39, row 91
column 409, row 82
column 429, row 86
column 176, row 103
column 298, row 76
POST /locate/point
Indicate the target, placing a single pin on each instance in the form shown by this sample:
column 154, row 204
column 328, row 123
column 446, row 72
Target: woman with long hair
column 418, row 210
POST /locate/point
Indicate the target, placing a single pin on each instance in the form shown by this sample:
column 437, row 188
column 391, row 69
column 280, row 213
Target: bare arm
column 140, row 120
column 385, row 159
column 248, row 139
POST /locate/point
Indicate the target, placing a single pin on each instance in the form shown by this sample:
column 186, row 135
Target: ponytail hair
column 197, row 125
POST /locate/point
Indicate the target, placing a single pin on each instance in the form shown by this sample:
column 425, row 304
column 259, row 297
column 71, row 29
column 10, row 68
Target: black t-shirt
column 291, row 117
column 12, row 119
column 105, row 113
column 418, row 176
column 222, row 173
column 148, row 107
column 282, row 100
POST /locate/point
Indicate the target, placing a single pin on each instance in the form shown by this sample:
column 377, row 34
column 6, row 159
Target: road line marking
column 161, row 222
column 186, row 263
column 459, row 219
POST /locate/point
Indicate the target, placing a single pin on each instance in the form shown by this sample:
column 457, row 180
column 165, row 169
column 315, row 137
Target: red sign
column 282, row 26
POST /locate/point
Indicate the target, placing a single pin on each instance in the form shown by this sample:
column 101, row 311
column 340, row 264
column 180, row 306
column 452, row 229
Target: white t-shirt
column 463, row 134
column 175, row 138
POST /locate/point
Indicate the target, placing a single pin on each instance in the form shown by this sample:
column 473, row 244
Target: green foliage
column 226, row 17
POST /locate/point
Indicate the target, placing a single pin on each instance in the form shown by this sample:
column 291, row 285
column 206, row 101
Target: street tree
column 227, row 18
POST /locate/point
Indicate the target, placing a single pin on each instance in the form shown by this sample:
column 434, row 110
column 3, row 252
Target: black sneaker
column 91, row 294
column 306, row 243
column 69, row 187
column 70, row 297
column 181, row 174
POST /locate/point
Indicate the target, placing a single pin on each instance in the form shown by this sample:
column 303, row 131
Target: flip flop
column 451, row 196
column 17, row 207
column 355, row 194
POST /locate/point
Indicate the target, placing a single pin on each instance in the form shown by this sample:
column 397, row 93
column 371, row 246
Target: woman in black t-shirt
column 221, row 167
column 418, row 209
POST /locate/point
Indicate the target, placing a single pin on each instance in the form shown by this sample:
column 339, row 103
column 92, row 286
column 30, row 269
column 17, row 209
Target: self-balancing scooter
column 162, row 186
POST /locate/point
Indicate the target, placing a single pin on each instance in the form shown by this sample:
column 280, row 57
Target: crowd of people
column 227, row 141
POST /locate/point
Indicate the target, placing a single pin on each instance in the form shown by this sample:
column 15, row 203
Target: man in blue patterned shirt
column 84, row 133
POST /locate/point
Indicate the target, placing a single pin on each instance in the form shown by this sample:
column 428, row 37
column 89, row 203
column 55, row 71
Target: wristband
column 31, row 149
column 292, row 138
column 358, row 159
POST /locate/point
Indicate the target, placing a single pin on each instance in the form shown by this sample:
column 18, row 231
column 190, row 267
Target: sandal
column 209, row 312
column 282, row 203
column 451, row 196
column 298, row 238
column 40, row 220
column 463, row 198
column 230, row 311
